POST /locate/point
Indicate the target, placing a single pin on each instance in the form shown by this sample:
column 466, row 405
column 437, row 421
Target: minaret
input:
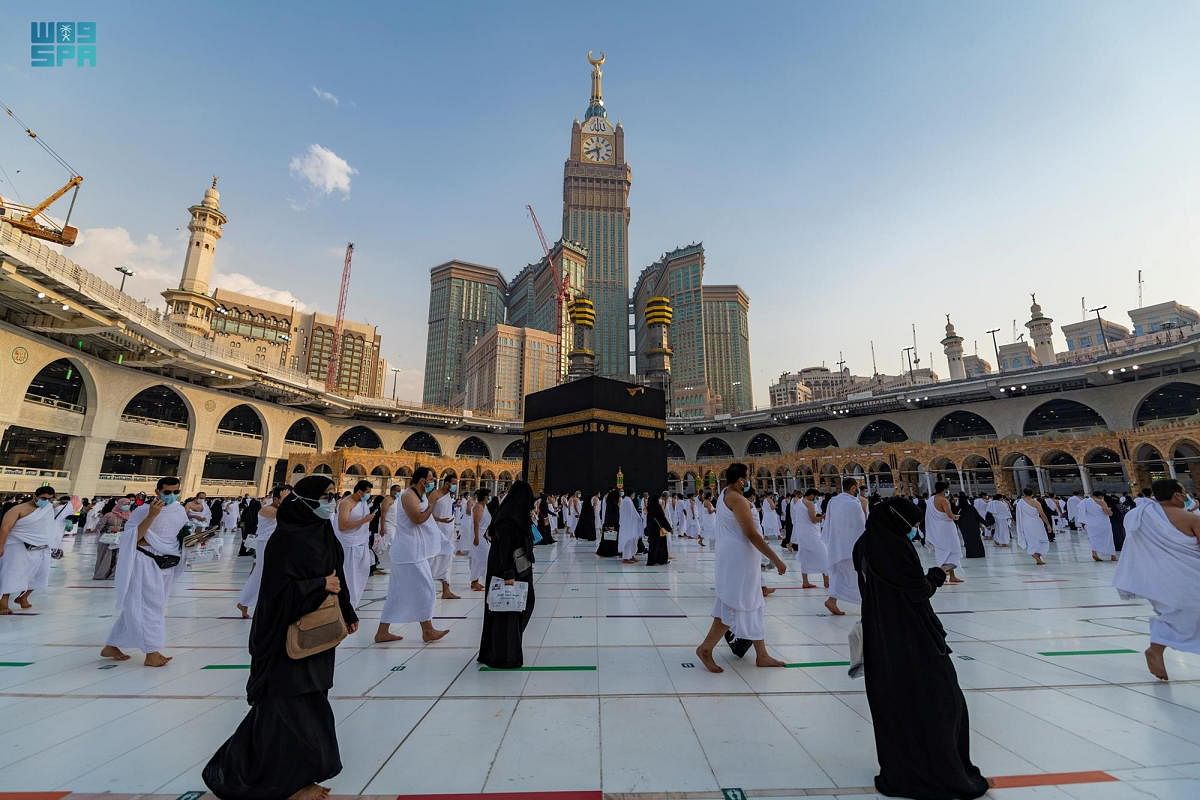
column 1041, row 331
column 581, row 361
column 658, row 321
column 190, row 305
column 952, row 346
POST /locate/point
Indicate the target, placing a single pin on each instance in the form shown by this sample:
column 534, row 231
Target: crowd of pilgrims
column 311, row 543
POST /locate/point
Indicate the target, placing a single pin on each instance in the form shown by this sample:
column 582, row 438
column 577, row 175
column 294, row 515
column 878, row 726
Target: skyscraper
column 727, row 346
column 596, row 183
column 532, row 299
column 465, row 301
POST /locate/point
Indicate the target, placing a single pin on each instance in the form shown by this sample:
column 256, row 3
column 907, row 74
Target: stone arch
column 1185, row 461
column 487, row 480
column 422, row 442
column 828, row 478
column 804, row 477
column 1062, row 415
column 783, row 480
column 303, row 431
column 689, row 482
column 715, row 447
column 62, row 383
column 466, row 482
column 881, row 430
column 672, row 482
column 356, row 469
column 1169, row 402
column 359, row 436
column 1061, row 472
column 473, row 447
column 762, row 480
column 381, row 471
column 1106, row 470
column 816, row 438
column 298, row 469
column 449, row 472
column 322, row 469
column 880, row 474
column 674, row 450
column 514, row 450
column 243, row 420
column 960, row 426
column 762, row 444
column 908, row 476
column 504, row 480
column 161, row 404
column 979, row 475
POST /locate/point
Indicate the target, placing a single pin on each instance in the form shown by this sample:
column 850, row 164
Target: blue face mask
column 169, row 497
column 454, row 488
column 325, row 509
column 42, row 502
column 913, row 533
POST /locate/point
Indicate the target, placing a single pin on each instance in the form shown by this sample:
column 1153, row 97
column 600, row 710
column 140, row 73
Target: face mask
column 454, row 488
column 325, row 509
column 42, row 502
column 428, row 489
column 1189, row 504
column 169, row 497
column 912, row 534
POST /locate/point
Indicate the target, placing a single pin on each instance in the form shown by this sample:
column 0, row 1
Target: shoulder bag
column 317, row 631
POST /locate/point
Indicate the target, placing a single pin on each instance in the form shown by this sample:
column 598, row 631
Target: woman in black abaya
column 543, row 521
column 970, row 524
column 286, row 745
column 658, row 530
column 611, row 514
column 510, row 559
column 585, row 528
column 922, row 735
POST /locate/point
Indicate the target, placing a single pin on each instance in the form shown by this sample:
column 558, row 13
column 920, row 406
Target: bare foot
column 807, row 585
column 1038, row 560
column 1096, row 557
column 380, row 638
column 245, row 611
column 433, row 635
column 156, row 660
column 1112, row 558
column 1156, row 663
column 832, row 605
column 706, row 658
column 767, row 591
column 5, row 610
column 310, row 792
column 768, row 661
column 114, row 653
column 825, row 579
column 629, row 561
column 476, row 586
column 24, row 603
column 954, row 580
column 449, row 595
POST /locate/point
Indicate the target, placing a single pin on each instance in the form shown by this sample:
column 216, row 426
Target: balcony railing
column 50, row 401
column 162, row 423
column 242, row 434
column 32, row 472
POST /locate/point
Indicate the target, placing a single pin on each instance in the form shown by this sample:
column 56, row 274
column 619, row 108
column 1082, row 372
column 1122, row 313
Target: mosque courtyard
column 613, row 701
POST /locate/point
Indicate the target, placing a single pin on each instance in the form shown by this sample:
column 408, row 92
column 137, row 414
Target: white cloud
column 328, row 97
column 155, row 265
column 244, row 284
column 323, row 170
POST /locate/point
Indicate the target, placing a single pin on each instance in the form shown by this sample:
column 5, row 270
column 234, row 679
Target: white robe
column 1099, row 528
column 249, row 595
column 1031, row 533
column 411, row 593
column 942, row 533
column 479, row 553
column 981, row 507
column 22, row 569
column 844, row 524
column 1162, row 565
column 1002, row 514
column 811, row 553
column 443, row 560
column 629, row 528
column 771, row 525
column 142, row 588
column 356, row 544
column 1073, row 503
column 738, row 578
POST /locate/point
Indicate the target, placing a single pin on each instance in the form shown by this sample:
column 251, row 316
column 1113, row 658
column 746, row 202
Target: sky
column 856, row 167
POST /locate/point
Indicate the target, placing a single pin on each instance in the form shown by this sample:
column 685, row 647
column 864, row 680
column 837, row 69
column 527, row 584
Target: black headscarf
column 517, row 504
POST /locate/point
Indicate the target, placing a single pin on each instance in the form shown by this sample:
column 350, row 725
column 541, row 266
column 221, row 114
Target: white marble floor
column 641, row 717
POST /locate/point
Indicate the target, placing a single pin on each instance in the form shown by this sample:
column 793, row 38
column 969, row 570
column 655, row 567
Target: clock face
column 597, row 149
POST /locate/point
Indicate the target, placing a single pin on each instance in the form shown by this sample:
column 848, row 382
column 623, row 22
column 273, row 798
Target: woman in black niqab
column 510, row 559
column 611, row 516
column 585, row 528
column 658, row 530
column 543, row 521
column 287, row 745
column 922, row 734
column 970, row 524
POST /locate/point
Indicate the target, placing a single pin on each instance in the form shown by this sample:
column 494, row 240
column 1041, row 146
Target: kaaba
column 579, row 435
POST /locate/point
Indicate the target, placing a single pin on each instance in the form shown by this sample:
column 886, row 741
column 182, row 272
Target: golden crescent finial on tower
column 595, row 62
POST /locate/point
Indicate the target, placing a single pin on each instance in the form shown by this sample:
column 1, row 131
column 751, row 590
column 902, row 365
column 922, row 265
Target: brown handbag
column 317, row 631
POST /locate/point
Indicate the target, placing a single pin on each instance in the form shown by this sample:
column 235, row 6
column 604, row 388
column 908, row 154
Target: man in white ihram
column 145, row 577
column 629, row 530
column 352, row 526
column 27, row 535
column 844, row 524
column 443, row 514
column 942, row 533
column 1161, row 563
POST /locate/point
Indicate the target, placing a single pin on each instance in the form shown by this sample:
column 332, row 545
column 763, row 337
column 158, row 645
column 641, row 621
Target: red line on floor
column 1050, row 779
column 33, row 795
column 500, row 796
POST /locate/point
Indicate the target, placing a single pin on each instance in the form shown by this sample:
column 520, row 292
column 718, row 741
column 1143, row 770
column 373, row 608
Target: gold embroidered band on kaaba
column 595, row 415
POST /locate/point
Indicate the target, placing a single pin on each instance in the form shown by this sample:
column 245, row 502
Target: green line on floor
column 802, row 664
column 1085, row 652
column 15, row 663
column 579, row 668
column 227, row 666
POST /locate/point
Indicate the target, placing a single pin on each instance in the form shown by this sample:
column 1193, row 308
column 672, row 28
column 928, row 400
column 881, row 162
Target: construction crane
column 331, row 374
column 562, row 288
column 25, row 218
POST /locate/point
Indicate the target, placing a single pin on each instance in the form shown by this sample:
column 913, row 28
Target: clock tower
column 596, row 182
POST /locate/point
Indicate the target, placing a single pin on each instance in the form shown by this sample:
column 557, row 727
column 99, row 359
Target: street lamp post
column 1100, row 322
column 908, row 351
column 996, row 346
column 126, row 272
column 395, row 378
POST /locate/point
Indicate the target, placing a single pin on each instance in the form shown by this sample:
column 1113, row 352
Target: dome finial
column 596, row 104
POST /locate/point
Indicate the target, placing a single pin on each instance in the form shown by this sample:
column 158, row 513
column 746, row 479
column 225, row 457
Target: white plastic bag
column 856, row 651
column 504, row 597
column 109, row 539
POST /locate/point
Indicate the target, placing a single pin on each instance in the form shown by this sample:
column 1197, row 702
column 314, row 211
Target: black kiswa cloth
column 922, row 734
column 287, row 740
